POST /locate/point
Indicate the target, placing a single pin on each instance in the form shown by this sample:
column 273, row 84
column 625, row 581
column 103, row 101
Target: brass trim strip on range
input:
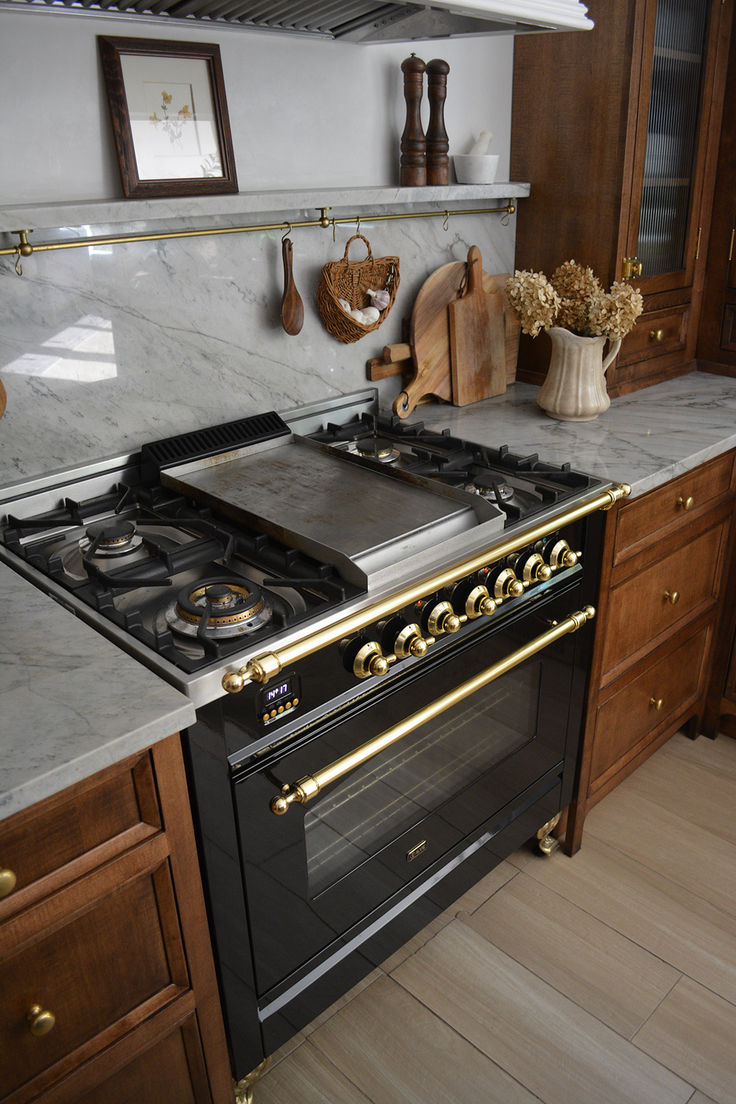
column 24, row 248
column 306, row 788
column 266, row 666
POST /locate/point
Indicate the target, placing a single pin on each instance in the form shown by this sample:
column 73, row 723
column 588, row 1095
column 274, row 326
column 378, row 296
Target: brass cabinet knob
column 685, row 503
column 7, row 882
column 40, row 1020
column 656, row 703
column 672, row 596
column 656, row 335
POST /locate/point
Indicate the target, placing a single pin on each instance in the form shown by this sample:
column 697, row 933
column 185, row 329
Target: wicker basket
column 351, row 280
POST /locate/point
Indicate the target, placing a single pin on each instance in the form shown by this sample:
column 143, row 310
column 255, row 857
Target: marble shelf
column 243, row 206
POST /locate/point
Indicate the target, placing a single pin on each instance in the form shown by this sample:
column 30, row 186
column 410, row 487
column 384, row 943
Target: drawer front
column 669, row 685
column 660, row 599
column 644, row 520
column 655, row 334
column 92, row 973
column 116, row 807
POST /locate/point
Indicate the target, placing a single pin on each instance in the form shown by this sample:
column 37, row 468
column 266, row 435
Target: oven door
column 370, row 835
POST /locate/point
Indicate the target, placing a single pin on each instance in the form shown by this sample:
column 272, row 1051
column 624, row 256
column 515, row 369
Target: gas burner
column 377, row 448
column 113, row 537
column 499, row 492
column 219, row 609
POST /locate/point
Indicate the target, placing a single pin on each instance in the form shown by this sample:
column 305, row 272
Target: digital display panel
column 278, row 698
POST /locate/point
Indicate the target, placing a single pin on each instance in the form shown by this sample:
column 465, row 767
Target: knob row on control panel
column 479, row 595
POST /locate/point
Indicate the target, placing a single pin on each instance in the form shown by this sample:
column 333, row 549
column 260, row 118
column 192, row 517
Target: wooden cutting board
column 429, row 336
column 477, row 340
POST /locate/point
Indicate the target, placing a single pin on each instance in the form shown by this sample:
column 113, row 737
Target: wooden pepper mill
column 438, row 161
column 413, row 164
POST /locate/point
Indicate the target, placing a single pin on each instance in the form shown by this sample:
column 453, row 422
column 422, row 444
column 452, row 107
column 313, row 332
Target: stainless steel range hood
column 362, row 21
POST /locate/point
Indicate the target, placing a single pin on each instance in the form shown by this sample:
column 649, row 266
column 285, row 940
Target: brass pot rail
column 24, row 248
column 306, row 788
column 266, row 666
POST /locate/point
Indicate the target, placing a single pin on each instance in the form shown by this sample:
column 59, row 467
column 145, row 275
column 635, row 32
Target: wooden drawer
column 669, row 686
column 655, row 334
column 641, row 609
column 99, row 956
column 64, row 836
column 662, row 512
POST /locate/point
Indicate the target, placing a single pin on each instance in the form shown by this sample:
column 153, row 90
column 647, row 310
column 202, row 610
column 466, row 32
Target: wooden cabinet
column 662, row 587
column 617, row 131
column 109, row 990
column 717, row 332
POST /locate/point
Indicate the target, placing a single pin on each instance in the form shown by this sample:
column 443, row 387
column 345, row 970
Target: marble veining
column 72, row 703
column 644, row 438
column 103, row 348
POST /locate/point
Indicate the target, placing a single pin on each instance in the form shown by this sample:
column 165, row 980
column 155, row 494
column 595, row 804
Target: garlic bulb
column 379, row 299
column 345, row 306
column 370, row 315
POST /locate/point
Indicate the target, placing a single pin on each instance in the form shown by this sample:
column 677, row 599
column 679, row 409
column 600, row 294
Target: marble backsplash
column 103, row 348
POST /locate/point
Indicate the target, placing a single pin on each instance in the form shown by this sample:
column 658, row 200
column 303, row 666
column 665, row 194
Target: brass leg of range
column 547, row 842
column 243, row 1089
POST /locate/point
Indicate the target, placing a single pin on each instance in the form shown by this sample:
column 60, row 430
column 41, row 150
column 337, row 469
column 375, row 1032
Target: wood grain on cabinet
column 580, row 126
column 106, row 929
column 663, row 580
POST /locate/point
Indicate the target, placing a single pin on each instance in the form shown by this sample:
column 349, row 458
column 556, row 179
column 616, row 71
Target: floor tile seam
column 472, row 912
column 654, row 1011
column 573, row 1000
column 459, row 1034
column 645, row 866
column 323, row 1056
column 579, row 1008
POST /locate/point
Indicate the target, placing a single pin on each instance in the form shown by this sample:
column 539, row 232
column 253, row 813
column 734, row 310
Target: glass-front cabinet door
column 664, row 225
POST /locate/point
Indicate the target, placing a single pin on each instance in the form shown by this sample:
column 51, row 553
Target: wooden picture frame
column 169, row 117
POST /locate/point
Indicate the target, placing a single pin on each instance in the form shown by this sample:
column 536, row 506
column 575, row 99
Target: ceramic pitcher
column 575, row 387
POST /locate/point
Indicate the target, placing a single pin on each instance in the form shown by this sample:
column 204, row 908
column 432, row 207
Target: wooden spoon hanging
column 3, row 399
column 292, row 308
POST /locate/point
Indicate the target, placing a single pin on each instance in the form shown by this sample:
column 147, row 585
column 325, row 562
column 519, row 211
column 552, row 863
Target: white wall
column 105, row 348
column 303, row 112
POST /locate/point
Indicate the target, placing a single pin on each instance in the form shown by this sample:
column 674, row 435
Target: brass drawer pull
column 685, row 503
column 7, row 882
column 308, row 787
column 672, row 596
column 40, row 1020
column 656, row 703
column 656, row 335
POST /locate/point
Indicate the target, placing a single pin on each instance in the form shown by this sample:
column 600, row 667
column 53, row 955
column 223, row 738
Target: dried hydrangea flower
column 534, row 299
column 617, row 311
column 579, row 290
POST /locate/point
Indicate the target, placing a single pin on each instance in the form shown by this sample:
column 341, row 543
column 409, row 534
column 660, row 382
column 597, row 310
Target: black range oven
column 386, row 632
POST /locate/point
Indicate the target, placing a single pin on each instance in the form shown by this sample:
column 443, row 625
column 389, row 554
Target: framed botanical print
column 169, row 117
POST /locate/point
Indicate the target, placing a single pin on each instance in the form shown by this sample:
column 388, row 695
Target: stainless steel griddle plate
column 314, row 499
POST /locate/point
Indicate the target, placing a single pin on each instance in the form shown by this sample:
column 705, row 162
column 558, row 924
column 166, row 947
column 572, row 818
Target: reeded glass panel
column 679, row 44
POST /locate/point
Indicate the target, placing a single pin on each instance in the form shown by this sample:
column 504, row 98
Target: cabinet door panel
column 660, row 599
column 90, row 973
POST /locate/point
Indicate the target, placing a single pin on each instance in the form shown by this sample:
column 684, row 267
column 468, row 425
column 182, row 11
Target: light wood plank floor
column 608, row 978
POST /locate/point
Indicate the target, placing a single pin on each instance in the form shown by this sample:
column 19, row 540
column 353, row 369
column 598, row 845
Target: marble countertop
column 72, row 702
column 644, row 438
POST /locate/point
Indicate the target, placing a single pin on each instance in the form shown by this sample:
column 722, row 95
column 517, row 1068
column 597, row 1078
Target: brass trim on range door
column 308, row 787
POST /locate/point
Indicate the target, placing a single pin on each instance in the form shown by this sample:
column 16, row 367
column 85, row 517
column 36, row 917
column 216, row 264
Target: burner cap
column 220, row 608
column 377, row 448
column 111, row 535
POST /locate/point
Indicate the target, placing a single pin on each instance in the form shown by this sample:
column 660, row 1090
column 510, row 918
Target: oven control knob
column 410, row 642
column 443, row 619
column 533, row 569
column 479, row 602
column 560, row 554
column 370, row 660
column 503, row 584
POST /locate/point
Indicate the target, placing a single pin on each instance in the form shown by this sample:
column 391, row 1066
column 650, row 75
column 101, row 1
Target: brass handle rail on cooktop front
column 264, row 667
column 24, row 248
column 306, row 788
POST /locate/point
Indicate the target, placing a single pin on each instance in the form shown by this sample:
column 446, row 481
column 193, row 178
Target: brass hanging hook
column 22, row 249
column 334, row 224
column 357, row 225
column 287, row 232
column 446, row 221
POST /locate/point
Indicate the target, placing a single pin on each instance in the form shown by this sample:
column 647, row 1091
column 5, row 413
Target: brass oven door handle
column 306, row 788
